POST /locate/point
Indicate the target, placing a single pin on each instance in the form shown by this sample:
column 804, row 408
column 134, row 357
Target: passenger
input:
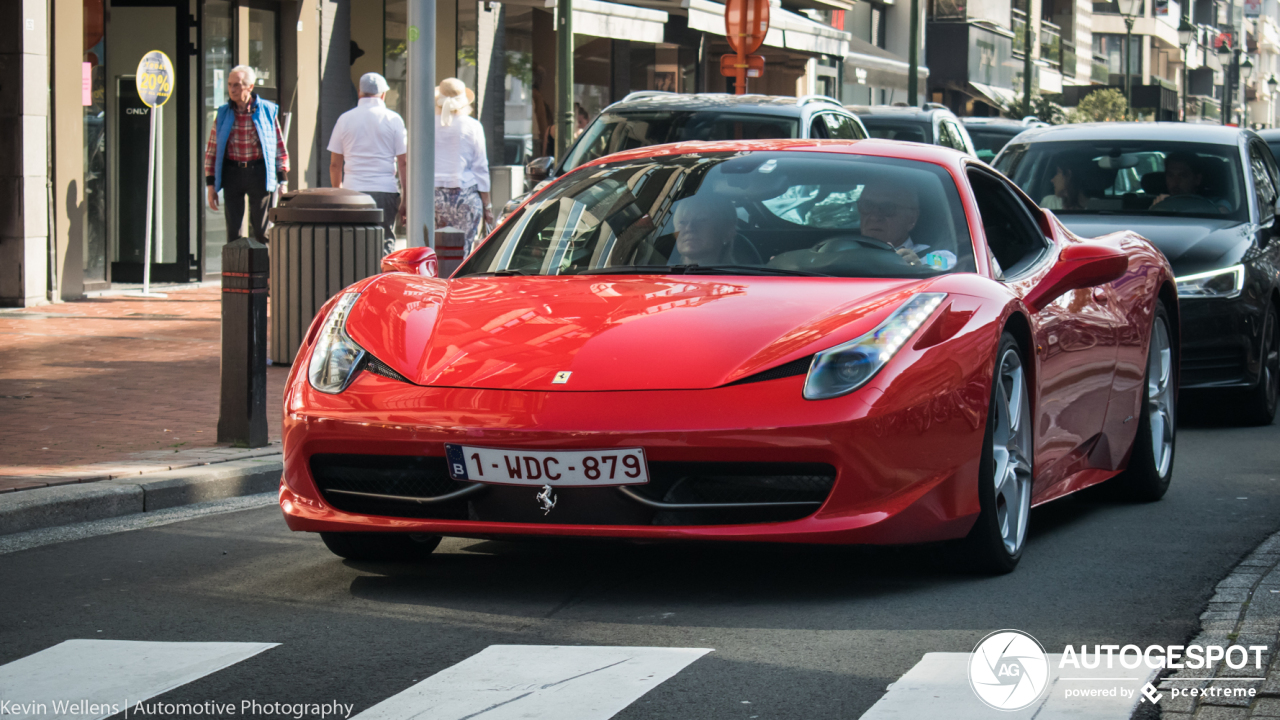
column 889, row 210
column 1067, row 194
column 1183, row 176
column 705, row 229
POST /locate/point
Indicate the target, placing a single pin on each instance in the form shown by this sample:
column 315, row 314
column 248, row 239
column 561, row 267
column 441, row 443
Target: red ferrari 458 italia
column 786, row 341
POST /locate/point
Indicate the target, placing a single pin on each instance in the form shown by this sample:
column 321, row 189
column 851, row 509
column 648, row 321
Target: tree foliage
column 1041, row 107
column 1106, row 105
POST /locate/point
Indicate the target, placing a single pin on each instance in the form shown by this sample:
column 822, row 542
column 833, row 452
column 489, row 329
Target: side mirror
column 539, row 169
column 415, row 261
column 1079, row 266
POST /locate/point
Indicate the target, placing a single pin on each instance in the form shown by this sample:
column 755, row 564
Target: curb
column 68, row 504
column 1244, row 610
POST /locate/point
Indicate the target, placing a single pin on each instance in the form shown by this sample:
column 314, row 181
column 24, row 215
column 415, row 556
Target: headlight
column 336, row 356
column 1225, row 283
column 845, row 368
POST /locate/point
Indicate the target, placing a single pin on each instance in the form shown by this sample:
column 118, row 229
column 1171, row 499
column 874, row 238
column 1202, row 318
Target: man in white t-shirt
column 368, row 148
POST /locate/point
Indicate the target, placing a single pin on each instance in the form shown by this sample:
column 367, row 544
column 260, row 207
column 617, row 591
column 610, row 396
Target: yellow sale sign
column 155, row 78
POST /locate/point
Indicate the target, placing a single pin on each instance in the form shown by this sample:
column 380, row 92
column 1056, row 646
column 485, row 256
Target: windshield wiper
column 499, row 273
column 747, row 270
column 697, row 270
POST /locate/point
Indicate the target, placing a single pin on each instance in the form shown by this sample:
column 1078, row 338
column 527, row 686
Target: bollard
column 242, row 419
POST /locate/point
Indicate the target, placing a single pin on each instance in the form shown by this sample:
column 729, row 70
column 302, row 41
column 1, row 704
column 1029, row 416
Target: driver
column 889, row 210
column 705, row 229
column 1182, row 176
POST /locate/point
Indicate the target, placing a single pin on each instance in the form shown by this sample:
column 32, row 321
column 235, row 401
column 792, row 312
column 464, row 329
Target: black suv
column 655, row 118
column 932, row 125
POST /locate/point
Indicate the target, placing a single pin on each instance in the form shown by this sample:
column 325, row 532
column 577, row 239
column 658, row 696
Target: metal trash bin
column 323, row 240
column 450, row 246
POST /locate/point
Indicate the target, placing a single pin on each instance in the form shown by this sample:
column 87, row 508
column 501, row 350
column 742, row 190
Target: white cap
column 373, row 84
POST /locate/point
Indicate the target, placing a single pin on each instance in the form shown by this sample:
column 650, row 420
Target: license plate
column 561, row 468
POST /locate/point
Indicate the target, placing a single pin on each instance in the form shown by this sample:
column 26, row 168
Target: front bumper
column 1220, row 341
column 904, row 468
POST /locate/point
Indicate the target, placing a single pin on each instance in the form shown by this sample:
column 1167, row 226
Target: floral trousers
column 460, row 208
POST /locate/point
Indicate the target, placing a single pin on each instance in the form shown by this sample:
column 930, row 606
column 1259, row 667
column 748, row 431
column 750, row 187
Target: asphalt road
column 796, row 632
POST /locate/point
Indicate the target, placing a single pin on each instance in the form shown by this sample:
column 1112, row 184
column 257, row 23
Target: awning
column 991, row 95
column 869, row 65
column 619, row 22
column 786, row 29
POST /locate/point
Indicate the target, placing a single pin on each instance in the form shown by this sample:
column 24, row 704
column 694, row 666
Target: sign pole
column 155, row 85
column 151, row 197
column 741, row 88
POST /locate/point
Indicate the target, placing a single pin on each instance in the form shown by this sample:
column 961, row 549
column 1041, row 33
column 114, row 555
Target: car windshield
column 1147, row 177
column 617, row 131
column 888, row 129
column 988, row 141
column 741, row 213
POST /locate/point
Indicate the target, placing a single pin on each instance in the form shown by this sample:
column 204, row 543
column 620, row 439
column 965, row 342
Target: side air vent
column 377, row 367
column 795, row 367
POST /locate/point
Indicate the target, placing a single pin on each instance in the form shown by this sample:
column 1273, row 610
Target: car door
column 1074, row 336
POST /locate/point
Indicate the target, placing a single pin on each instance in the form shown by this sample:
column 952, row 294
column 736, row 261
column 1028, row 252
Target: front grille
column 1212, row 365
column 681, row 484
column 398, row 475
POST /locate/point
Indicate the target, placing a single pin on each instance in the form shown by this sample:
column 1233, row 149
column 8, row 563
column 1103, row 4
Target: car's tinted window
column 951, row 136
column 617, row 131
column 1264, row 187
column 1132, row 176
column 1275, row 147
column 775, row 213
column 818, row 127
column 1012, row 234
column 840, row 127
column 888, row 130
column 989, row 141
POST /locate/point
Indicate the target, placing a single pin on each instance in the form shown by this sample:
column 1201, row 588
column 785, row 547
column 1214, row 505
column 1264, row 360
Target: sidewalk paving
column 114, row 387
column 1245, row 610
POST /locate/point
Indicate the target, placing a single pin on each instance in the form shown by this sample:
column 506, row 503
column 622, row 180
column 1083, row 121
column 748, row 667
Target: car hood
column 1191, row 244
column 641, row 332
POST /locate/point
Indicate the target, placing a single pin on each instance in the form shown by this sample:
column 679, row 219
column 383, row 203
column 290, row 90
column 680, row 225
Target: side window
column 958, row 136
column 944, row 136
column 839, row 127
column 1263, row 181
column 1012, row 234
column 818, row 127
column 852, row 127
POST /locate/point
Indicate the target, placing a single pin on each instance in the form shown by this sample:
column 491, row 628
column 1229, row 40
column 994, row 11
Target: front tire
column 1151, row 460
column 1258, row 407
column 995, row 543
column 380, row 546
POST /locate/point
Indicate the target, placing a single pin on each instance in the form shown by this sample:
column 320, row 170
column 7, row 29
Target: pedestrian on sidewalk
column 368, row 148
column 462, row 164
column 245, row 155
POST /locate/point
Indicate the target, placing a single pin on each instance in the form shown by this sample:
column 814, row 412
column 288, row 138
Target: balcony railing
column 1113, row 8
column 1051, row 44
column 1101, row 74
column 950, row 9
column 1068, row 65
column 1019, row 31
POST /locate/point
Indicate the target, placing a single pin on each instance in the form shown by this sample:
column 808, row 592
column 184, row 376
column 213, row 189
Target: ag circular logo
column 1008, row 670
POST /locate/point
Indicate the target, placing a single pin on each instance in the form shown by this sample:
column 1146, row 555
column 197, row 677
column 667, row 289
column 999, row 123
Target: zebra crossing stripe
column 528, row 682
column 95, row 679
column 938, row 686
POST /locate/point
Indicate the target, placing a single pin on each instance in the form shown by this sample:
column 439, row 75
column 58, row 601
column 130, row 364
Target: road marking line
column 938, row 686
column 526, row 682
column 109, row 673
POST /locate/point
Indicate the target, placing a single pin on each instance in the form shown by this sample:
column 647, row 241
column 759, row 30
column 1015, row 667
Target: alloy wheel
column 1011, row 451
column 1160, row 396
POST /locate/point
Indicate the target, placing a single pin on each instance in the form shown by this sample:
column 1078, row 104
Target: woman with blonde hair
column 462, row 163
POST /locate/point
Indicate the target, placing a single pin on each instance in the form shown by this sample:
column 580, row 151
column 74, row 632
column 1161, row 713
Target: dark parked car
column 654, row 118
column 1206, row 196
column 1272, row 138
column 932, row 125
column 991, row 134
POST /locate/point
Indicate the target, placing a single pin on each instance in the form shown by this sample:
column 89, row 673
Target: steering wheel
column 841, row 243
column 751, row 256
column 1185, row 203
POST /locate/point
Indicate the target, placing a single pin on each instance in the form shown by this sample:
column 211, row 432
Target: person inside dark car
column 889, row 211
column 1184, row 177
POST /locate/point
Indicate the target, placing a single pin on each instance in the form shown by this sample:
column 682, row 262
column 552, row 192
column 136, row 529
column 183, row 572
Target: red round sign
column 745, row 24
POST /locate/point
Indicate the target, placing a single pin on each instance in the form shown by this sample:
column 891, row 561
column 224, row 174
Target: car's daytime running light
column 336, row 356
column 844, row 368
column 1225, row 283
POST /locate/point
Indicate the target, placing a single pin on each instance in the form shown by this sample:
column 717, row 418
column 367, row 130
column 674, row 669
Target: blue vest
column 264, row 121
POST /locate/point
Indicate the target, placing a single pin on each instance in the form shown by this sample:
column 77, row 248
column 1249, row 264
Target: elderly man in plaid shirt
column 244, row 143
